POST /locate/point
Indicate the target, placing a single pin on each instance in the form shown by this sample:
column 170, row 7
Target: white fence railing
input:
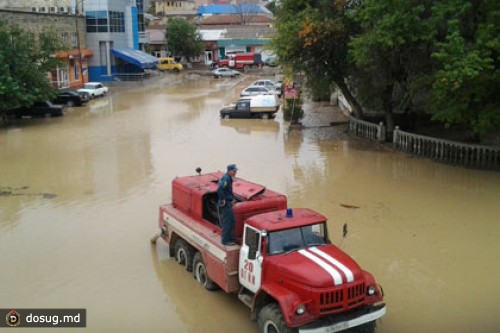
column 469, row 155
column 366, row 129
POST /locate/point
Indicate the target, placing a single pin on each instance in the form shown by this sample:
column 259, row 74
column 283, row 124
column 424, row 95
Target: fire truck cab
column 284, row 267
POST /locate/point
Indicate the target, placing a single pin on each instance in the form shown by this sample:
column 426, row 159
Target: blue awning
column 136, row 57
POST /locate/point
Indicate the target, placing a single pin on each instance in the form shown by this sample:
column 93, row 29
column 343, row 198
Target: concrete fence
column 366, row 129
column 468, row 155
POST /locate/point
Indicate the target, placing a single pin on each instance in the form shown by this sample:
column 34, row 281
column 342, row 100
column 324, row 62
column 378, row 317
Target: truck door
column 250, row 266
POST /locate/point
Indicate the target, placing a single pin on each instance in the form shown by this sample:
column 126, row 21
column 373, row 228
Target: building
column 113, row 34
column 44, row 6
column 222, row 40
column 73, row 71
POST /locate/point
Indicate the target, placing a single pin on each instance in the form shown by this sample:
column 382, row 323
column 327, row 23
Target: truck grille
column 341, row 299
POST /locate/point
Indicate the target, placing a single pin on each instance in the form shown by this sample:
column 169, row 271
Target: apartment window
column 97, row 21
column 102, row 21
column 74, row 39
column 116, row 22
column 64, row 38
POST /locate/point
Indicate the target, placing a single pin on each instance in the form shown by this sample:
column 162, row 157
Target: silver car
column 225, row 72
column 255, row 90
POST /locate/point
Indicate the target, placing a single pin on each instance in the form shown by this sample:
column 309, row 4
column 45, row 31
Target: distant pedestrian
column 226, row 198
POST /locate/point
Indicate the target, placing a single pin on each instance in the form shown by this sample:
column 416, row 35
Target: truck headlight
column 371, row 290
column 301, row 309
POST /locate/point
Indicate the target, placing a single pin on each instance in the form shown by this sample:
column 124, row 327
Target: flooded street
column 79, row 199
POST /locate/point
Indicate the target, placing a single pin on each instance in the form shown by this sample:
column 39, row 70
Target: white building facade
column 112, row 32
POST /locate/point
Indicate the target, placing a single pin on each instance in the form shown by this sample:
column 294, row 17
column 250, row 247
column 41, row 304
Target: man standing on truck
column 226, row 197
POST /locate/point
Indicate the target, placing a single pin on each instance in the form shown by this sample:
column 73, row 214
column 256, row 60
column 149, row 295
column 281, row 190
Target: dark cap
column 231, row 167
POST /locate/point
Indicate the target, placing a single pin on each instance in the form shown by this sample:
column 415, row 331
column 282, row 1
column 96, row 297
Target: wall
column 38, row 22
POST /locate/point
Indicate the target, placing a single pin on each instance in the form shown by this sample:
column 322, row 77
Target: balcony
column 143, row 37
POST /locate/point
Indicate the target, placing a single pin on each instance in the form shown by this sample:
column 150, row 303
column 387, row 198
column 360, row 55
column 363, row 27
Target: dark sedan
column 71, row 98
column 39, row 109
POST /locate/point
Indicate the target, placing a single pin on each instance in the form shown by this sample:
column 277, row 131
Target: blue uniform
column 226, row 197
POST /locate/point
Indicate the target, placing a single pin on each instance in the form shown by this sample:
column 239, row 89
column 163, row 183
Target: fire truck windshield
column 287, row 240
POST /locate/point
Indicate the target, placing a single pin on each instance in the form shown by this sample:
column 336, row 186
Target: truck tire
column 184, row 254
column 200, row 273
column 265, row 116
column 271, row 320
column 227, row 116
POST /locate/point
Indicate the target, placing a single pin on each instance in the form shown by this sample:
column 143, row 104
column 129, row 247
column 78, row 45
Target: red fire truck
column 241, row 61
column 283, row 267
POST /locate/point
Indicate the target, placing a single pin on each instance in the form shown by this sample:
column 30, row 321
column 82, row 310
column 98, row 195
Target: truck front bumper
column 339, row 323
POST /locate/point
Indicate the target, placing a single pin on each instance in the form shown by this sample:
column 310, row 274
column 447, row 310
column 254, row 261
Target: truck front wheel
column 271, row 320
column 184, row 254
column 200, row 273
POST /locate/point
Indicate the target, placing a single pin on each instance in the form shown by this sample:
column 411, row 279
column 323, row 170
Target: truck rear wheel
column 184, row 254
column 271, row 320
column 265, row 116
column 200, row 273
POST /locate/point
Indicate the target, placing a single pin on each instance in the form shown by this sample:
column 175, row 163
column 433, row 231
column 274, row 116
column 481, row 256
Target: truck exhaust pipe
column 155, row 237
column 158, row 234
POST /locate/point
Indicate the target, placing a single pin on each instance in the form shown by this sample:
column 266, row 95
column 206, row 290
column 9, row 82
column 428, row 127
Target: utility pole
column 80, row 55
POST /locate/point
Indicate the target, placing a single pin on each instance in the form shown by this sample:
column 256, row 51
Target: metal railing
column 366, row 129
column 469, row 155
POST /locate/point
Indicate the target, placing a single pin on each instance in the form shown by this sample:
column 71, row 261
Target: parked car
column 258, row 106
column 168, row 64
column 39, row 109
column 255, row 90
column 225, row 72
column 271, row 62
column 269, row 84
column 94, row 89
column 71, row 98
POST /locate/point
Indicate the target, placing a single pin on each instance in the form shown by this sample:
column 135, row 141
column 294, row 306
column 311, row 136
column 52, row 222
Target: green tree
column 392, row 54
column 466, row 83
column 272, row 7
column 24, row 66
column 183, row 39
column 312, row 37
column 448, row 50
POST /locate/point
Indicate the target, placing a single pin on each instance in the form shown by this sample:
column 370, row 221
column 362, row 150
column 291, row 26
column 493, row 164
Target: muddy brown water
column 79, row 198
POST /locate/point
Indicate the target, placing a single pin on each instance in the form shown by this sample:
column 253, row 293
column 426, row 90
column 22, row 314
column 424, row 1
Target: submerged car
column 271, row 62
column 269, row 84
column 256, row 90
column 71, row 98
column 168, row 64
column 94, row 89
column 225, row 72
column 39, row 109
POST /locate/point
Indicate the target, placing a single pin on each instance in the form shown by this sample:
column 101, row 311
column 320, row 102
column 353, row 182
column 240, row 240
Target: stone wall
column 44, row 6
column 39, row 22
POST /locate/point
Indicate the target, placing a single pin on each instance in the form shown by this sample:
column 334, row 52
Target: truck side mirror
column 252, row 240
